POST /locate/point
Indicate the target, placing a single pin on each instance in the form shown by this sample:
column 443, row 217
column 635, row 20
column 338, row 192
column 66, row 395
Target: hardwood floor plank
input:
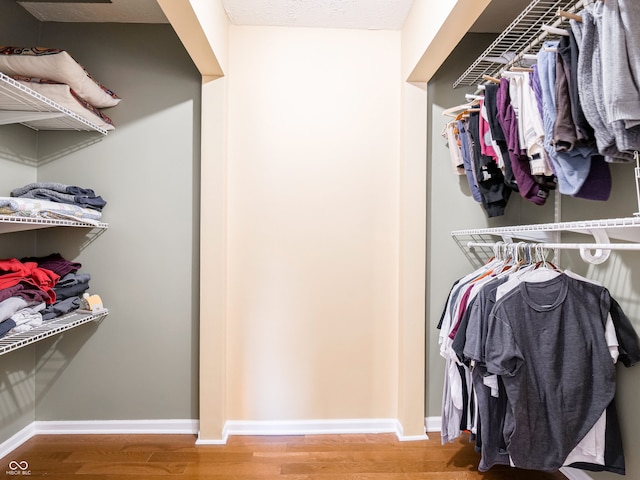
column 132, row 468
column 116, row 456
column 366, row 467
column 235, row 469
column 263, row 439
column 202, row 456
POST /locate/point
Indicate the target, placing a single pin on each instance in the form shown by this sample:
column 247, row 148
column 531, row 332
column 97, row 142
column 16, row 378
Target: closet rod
column 561, row 246
column 602, row 250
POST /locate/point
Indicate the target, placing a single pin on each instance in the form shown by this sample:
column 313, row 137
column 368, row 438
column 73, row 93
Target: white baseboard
column 313, row 427
column 98, row 427
column 191, row 427
column 433, row 424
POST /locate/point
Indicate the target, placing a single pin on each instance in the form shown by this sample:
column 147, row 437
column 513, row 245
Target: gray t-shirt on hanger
column 547, row 341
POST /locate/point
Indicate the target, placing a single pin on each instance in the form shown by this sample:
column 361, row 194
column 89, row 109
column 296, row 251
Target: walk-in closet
column 285, row 222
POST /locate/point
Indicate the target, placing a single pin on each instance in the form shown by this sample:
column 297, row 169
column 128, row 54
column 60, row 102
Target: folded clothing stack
column 61, row 193
column 37, row 289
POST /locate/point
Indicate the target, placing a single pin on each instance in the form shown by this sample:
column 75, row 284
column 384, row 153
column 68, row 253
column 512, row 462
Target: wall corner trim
column 17, row 439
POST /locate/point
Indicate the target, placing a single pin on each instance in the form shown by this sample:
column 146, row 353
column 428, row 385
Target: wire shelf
column 20, row 104
column 576, row 226
column 522, row 36
column 14, row 223
column 48, row 329
column 547, row 235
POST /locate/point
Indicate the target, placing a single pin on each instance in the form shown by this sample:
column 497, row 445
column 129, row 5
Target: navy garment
column 495, row 193
column 71, row 291
column 60, row 308
column 6, row 326
column 465, row 150
column 583, row 128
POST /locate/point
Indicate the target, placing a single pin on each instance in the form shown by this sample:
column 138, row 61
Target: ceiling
column 116, row 11
column 359, row 14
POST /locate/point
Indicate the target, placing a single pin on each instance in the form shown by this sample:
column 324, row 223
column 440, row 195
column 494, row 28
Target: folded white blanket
column 28, row 318
column 32, row 207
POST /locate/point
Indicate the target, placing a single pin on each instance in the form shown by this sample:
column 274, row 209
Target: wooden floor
column 317, row 457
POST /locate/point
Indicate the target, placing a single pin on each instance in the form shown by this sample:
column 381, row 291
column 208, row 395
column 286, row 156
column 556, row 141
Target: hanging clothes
column 451, row 134
column 590, row 87
column 489, row 177
column 586, row 124
column 465, row 151
column 527, row 185
column 535, row 347
column 621, row 62
column 498, row 135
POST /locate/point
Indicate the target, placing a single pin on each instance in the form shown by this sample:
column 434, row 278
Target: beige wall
column 317, row 260
column 314, row 142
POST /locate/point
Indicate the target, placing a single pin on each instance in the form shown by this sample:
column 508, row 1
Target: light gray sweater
column 621, row 60
column 614, row 141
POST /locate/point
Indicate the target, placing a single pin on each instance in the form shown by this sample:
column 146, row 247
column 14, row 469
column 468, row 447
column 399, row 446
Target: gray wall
column 18, row 158
column 450, row 207
column 141, row 361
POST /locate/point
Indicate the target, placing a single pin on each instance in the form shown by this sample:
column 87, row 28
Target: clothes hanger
column 555, row 30
column 489, row 78
column 521, row 69
column 454, row 111
column 458, row 110
column 569, row 15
